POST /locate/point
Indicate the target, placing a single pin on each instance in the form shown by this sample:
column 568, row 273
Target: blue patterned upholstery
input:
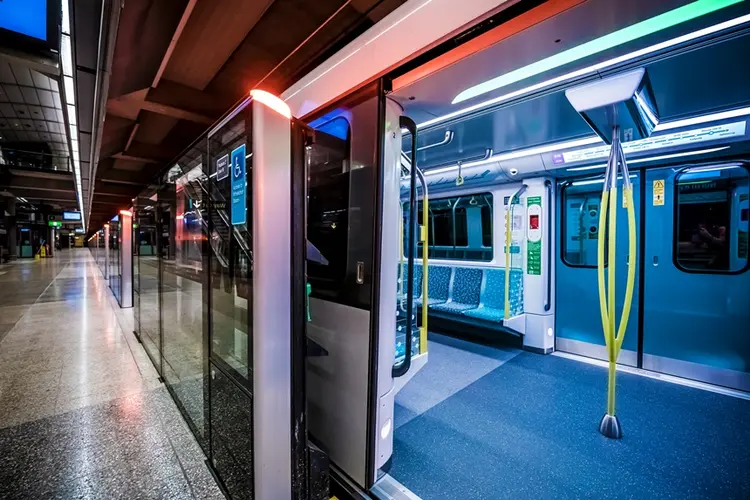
column 492, row 304
column 401, row 319
column 417, row 283
column 439, row 281
column 467, row 283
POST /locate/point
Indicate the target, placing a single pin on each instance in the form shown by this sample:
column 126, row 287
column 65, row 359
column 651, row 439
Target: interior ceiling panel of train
column 179, row 64
column 497, row 105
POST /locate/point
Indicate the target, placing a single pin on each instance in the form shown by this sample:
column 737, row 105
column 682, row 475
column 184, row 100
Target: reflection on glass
column 181, row 201
column 230, row 257
column 580, row 205
column 712, row 219
column 146, row 267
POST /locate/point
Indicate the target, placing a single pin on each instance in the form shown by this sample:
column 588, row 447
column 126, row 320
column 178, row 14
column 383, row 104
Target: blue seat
column 492, row 301
column 464, row 291
column 438, row 281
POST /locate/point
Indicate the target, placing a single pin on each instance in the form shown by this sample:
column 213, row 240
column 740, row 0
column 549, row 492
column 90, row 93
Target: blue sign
column 222, row 168
column 239, row 187
column 27, row 17
column 71, row 215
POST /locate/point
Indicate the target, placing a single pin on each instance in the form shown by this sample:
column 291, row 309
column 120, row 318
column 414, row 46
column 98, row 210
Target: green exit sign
column 55, row 223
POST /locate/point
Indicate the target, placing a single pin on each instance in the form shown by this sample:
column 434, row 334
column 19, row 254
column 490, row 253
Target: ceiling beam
column 38, row 184
column 130, row 105
column 53, row 196
column 146, row 153
column 177, row 33
column 121, row 190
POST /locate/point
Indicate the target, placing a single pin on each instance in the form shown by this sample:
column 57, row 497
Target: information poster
column 534, row 244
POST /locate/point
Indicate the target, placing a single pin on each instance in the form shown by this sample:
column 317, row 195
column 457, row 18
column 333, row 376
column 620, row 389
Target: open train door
column 256, row 306
column 354, row 223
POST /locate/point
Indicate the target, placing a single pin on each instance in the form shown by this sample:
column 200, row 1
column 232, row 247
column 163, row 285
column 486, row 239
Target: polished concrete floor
column 82, row 411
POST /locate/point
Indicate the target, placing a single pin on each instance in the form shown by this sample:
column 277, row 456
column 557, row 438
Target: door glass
column 230, row 199
column 146, row 263
column 182, row 285
column 712, row 219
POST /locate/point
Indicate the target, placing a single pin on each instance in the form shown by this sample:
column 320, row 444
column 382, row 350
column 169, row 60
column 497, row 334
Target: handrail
column 447, row 139
column 508, row 219
column 425, row 274
column 548, row 297
column 402, row 368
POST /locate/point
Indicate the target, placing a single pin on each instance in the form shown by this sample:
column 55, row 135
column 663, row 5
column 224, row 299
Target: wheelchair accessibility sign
column 239, row 187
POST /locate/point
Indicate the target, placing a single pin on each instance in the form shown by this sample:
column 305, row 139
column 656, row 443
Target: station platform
column 83, row 413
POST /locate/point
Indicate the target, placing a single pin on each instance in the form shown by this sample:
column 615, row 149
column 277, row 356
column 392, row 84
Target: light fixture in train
column 598, row 181
column 617, row 38
column 595, row 140
column 714, row 117
column 273, row 102
column 652, row 158
column 589, row 70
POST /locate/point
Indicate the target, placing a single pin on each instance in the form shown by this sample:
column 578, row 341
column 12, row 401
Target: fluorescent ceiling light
column 72, row 119
column 65, row 17
column 620, row 37
column 653, row 158
column 70, row 93
column 591, row 69
column 66, row 55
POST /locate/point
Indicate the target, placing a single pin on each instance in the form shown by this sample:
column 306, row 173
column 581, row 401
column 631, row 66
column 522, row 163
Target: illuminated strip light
column 653, row 158
column 711, row 169
column 617, row 38
column 698, row 120
column 272, row 102
column 66, row 61
column 592, row 69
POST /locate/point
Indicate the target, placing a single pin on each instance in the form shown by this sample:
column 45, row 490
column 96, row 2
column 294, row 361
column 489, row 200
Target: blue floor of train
column 484, row 423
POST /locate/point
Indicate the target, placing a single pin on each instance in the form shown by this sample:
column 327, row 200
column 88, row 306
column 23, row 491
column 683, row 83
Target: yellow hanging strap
column 614, row 333
column 508, row 242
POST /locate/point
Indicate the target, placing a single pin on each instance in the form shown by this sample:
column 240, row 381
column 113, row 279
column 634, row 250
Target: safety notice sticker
column 658, row 192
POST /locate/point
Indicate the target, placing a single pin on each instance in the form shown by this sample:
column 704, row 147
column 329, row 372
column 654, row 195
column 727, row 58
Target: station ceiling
column 179, row 64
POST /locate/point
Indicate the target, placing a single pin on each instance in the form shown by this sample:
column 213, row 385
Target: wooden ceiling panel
column 212, row 34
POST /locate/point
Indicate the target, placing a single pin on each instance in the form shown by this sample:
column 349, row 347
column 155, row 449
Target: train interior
column 507, row 381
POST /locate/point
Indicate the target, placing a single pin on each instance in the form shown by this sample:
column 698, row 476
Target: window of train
column 711, row 226
column 460, row 228
column 580, row 223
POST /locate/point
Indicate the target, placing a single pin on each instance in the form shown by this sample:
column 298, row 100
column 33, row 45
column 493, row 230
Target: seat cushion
column 452, row 307
column 430, row 302
column 486, row 313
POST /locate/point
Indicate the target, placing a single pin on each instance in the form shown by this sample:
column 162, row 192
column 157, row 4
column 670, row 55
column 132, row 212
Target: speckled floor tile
column 83, row 413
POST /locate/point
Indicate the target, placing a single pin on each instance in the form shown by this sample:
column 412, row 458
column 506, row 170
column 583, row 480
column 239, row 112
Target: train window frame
column 675, row 221
column 564, row 226
column 487, row 197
